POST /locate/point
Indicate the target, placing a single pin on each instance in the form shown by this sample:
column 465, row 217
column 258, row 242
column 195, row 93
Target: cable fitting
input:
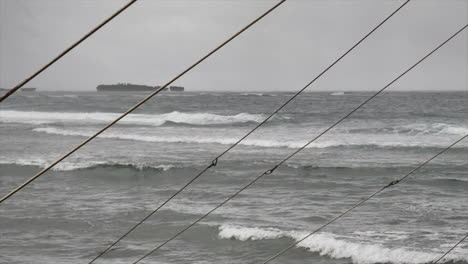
column 392, row 183
column 213, row 163
column 270, row 171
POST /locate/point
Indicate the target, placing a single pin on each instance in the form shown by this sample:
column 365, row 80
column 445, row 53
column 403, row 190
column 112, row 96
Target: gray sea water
column 72, row 213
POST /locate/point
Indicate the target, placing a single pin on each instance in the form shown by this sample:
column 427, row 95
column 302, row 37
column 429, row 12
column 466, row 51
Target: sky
column 154, row 40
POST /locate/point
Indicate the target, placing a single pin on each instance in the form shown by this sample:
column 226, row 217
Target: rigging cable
column 363, row 201
column 452, row 248
column 270, row 171
column 21, row 84
column 138, row 104
column 215, row 160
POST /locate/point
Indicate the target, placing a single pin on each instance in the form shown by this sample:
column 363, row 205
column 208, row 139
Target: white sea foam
column 432, row 128
column 332, row 246
column 30, row 117
column 249, row 233
column 76, row 165
column 337, row 93
column 255, row 142
column 257, row 94
column 42, row 162
column 64, row 96
column 187, row 139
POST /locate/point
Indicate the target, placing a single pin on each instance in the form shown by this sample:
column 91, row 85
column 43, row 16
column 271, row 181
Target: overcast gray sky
column 154, row 40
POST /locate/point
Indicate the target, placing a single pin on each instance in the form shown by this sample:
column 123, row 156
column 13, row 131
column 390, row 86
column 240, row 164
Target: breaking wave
column 258, row 94
column 418, row 129
column 258, row 142
column 77, row 165
column 337, row 93
column 37, row 118
column 330, row 245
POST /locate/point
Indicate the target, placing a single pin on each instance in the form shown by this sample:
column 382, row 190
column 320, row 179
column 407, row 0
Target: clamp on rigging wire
column 392, row 183
column 37, row 175
column 213, row 163
column 270, row 171
column 335, row 124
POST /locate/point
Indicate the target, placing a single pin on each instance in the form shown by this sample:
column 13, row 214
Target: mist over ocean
column 72, row 213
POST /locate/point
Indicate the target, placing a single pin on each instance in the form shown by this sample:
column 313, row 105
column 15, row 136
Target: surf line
column 395, row 182
column 270, row 171
column 214, row 162
column 11, row 193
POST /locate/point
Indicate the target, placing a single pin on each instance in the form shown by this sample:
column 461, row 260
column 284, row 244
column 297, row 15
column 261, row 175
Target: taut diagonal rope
column 21, row 84
column 215, row 160
column 138, row 104
column 364, row 201
column 452, row 248
column 270, row 171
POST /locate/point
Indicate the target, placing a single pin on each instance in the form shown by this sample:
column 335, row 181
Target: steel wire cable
column 365, row 200
column 215, row 160
column 138, row 104
column 270, row 171
column 452, row 248
column 63, row 53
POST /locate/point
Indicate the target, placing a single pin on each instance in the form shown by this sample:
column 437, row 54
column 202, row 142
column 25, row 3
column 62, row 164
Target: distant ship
column 128, row 87
column 28, row 89
column 176, row 88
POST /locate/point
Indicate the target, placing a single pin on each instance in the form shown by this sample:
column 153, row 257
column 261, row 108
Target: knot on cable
column 213, row 163
column 392, row 183
column 270, row 171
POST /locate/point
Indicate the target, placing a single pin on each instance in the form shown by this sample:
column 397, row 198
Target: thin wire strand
column 452, row 248
column 363, row 201
column 270, row 171
column 215, row 160
column 317, row 77
column 21, row 84
column 138, row 104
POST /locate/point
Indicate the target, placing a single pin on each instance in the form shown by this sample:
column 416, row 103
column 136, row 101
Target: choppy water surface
column 73, row 212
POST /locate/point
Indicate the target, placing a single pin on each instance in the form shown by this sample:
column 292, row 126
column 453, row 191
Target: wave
column 258, row 94
column 189, row 139
column 266, row 143
column 63, row 96
column 329, row 245
column 448, row 182
column 180, row 139
column 79, row 165
column 337, row 93
column 418, row 129
column 38, row 118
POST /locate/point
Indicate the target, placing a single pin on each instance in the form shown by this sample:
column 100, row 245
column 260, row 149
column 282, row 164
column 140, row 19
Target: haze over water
column 72, row 213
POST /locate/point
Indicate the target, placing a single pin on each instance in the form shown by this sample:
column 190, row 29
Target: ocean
column 86, row 202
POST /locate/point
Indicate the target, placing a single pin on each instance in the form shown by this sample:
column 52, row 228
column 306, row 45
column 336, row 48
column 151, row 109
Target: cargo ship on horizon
column 28, row 89
column 128, row 87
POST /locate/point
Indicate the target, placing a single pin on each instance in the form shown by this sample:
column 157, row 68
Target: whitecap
column 330, row 245
column 81, row 164
column 337, row 93
column 254, row 142
column 36, row 118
